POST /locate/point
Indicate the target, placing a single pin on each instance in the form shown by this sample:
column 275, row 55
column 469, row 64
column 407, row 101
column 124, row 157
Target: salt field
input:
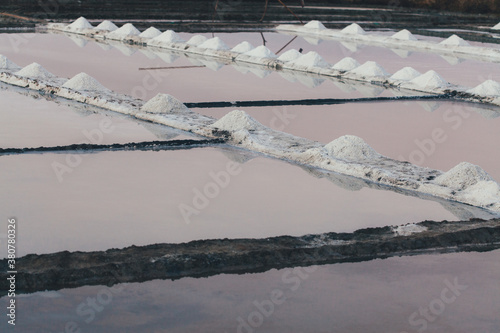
column 234, row 136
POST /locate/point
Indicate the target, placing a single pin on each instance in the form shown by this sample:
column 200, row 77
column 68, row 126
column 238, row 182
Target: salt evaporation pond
column 376, row 296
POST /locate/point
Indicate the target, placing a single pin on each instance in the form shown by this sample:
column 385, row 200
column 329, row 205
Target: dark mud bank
column 237, row 256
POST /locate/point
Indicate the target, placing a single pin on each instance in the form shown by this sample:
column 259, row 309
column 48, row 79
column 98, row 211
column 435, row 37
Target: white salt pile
column 408, row 229
column 463, row 176
column 430, row 80
column 107, row 26
column 351, row 148
column 196, row 40
column 316, row 25
column 168, row 36
column 404, row 35
column 85, row 82
column 353, row 29
column 80, row 23
column 310, row 59
column 150, row 32
column 164, row 103
column 243, row 47
column 487, row 88
column 35, row 71
column 406, row 74
column 454, row 40
column 261, row 52
column 496, row 27
column 127, row 29
column 346, row 64
column 214, row 44
column 5, row 63
column 370, row 69
column 236, row 120
column 290, row 55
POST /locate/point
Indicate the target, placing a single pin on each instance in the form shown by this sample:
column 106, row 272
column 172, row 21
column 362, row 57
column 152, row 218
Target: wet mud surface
column 238, row 256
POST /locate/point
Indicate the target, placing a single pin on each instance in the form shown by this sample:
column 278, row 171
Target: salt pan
column 196, row 40
column 261, row 52
column 454, row 40
column 80, row 23
column 35, row 71
column 5, row 63
column 430, row 80
column 351, row 148
column 317, row 25
column 243, row 47
column 85, row 82
column 290, row 55
column 214, row 44
column 405, row 74
column 346, row 64
column 164, row 103
column 404, row 35
column 151, row 32
column 127, row 29
column 463, row 176
column 487, row 88
column 310, row 59
column 236, row 120
column 370, row 69
column 353, row 29
column 106, row 25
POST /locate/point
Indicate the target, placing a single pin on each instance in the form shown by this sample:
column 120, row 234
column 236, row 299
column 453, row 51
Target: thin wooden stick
column 265, row 11
column 174, row 67
column 286, row 45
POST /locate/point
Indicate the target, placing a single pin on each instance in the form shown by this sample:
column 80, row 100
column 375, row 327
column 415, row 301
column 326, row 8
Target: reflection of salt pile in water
column 85, row 82
column 488, row 88
column 80, row 42
column 164, row 103
column 454, row 40
column 106, row 26
column 150, row 32
column 351, row 148
column 35, row 71
column 346, row 64
column 404, row 35
column 126, row 30
column 214, row 44
column 5, row 63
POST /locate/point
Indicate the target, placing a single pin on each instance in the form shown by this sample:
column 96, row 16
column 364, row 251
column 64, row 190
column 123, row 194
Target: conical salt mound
column 150, row 32
column 35, row 71
column 80, row 23
column 404, row 35
column 290, row 55
column 487, row 88
column 430, row 80
column 196, row 40
column 406, row 74
column 214, row 44
column 85, row 82
column 236, row 120
column 261, row 52
column 126, row 30
column 346, row 64
column 370, row 68
column 454, row 40
column 107, row 26
column 496, row 27
column 164, row 103
column 310, row 59
column 5, row 63
column 462, row 176
column 317, row 25
column 353, row 29
column 168, row 36
column 243, row 47
column 351, row 148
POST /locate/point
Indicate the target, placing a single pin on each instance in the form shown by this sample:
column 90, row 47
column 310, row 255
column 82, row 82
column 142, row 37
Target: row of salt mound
column 5, row 63
column 150, row 32
column 404, row 35
column 164, row 103
column 496, row 27
column 35, row 71
column 126, row 30
column 106, row 26
column 488, row 88
column 261, row 52
column 168, row 36
column 243, row 47
column 370, row 69
column 80, row 23
column 85, row 82
column 196, row 40
column 215, row 43
column 310, row 59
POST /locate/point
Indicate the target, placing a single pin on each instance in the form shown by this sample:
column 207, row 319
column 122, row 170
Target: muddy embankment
column 238, row 256
column 199, row 15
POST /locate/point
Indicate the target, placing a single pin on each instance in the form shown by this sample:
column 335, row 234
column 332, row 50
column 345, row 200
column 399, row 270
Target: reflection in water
column 402, row 53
